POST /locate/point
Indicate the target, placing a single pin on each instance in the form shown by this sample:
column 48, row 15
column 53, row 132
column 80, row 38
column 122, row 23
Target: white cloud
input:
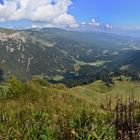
column 93, row 20
column 35, row 26
column 94, row 23
column 108, row 26
column 52, row 12
column 65, row 20
column 83, row 23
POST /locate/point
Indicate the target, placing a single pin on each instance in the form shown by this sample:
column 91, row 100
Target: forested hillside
column 55, row 53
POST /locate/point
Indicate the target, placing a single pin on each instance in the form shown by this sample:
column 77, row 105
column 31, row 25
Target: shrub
column 15, row 88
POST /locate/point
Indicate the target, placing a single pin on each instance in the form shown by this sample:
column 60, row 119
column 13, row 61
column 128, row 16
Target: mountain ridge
column 53, row 52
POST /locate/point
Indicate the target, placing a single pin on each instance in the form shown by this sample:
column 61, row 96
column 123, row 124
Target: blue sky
column 96, row 13
column 116, row 12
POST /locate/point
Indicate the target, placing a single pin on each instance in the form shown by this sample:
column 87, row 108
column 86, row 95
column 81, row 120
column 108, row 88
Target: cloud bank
column 51, row 12
column 96, row 25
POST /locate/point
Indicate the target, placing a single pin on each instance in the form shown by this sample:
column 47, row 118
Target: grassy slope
column 98, row 93
column 25, row 116
column 93, row 94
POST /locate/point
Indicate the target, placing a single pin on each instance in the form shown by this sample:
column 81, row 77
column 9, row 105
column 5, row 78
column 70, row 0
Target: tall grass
column 38, row 110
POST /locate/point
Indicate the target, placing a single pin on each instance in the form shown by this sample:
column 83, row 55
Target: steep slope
column 24, row 56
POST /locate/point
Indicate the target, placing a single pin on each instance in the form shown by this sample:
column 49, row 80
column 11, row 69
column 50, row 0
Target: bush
column 15, row 88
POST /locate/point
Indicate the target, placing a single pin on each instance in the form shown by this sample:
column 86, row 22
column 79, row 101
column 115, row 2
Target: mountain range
column 53, row 52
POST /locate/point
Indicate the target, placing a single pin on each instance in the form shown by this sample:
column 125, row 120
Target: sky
column 70, row 13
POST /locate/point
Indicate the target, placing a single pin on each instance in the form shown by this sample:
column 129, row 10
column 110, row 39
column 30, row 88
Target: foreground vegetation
column 40, row 110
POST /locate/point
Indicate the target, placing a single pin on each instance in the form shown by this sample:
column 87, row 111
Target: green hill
column 98, row 93
column 40, row 110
